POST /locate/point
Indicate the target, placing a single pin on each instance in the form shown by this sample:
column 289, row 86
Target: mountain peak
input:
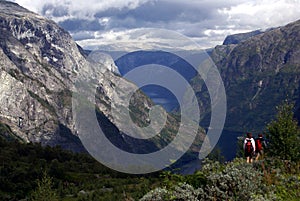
column 240, row 37
column 9, row 8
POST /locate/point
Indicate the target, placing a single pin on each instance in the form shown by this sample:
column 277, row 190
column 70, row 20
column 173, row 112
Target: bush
column 283, row 177
column 181, row 192
column 288, row 188
column 236, row 180
column 158, row 194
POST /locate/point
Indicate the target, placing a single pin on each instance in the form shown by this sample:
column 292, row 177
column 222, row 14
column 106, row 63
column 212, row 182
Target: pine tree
column 44, row 191
column 284, row 135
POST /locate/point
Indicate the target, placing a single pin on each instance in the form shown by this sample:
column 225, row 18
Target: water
column 228, row 146
column 161, row 96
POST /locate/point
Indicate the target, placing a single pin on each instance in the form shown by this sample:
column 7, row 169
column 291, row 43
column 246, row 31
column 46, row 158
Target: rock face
column 39, row 61
column 259, row 73
column 39, row 64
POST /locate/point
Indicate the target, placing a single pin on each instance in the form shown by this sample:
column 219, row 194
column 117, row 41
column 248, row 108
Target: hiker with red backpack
column 249, row 147
column 260, row 144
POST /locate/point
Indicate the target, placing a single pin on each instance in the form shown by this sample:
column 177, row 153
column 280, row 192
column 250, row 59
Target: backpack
column 258, row 144
column 248, row 147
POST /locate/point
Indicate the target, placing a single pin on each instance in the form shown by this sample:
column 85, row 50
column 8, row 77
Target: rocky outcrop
column 37, row 62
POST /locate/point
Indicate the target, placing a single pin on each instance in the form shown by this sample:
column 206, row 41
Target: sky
column 110, row 24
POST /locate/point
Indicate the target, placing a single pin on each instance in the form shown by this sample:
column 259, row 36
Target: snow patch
column 57, row 47
column 54, row 59
column 260, row 83
column 46, row 58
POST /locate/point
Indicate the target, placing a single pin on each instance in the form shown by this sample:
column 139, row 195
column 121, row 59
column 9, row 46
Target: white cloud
column 207, row 22
column 142, row 39
column 263, row 13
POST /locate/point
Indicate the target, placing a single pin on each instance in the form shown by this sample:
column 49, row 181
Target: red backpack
column 258, row 144
column 249, row 147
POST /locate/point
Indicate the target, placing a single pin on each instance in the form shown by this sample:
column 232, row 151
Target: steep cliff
column 37, row 62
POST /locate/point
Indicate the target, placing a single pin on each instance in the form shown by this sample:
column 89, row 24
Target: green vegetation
column 28, row 170
column 263, row 180
column 32, row 172
column 6, row 133
column 284, row 134
column 44, row 191
column 275, row 177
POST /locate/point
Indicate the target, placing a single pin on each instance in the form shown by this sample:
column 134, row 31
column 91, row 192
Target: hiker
column 260, row 144
column 249, row 147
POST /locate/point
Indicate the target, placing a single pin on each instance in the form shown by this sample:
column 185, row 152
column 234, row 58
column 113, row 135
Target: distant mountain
column 258, row 73
column 158, row 94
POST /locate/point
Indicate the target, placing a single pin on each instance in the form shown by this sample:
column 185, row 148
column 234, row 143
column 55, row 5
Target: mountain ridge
column 258, row 73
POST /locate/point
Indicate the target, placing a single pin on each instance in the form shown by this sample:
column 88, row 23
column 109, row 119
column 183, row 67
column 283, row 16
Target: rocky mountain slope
column 36, row 69
column 240, row 37
column 39, row 64
column 259, row 73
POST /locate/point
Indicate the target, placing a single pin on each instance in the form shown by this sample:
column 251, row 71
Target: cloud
column 205, row 21
column 140, row 39
column 77, row 8
column 263, row 13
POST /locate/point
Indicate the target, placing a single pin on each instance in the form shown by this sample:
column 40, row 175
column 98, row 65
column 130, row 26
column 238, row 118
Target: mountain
column 258, row 73
column 40, row 66
column 36, row 73
column 171, row 60
column 240, row 37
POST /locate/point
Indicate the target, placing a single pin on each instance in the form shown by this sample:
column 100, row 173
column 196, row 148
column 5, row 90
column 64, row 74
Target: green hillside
column 33, row 172
column 73, row 176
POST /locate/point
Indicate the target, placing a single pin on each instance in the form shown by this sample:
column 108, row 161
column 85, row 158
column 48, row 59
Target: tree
column 283, row 134
column 216, row 155
column 44, row 191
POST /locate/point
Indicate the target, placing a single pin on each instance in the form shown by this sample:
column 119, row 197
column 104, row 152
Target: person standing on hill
column 249, row 147
column 260, row 144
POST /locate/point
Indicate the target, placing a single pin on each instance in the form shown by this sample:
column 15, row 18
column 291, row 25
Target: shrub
column 158, row 194
column 181, row 192
column 236, row 180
